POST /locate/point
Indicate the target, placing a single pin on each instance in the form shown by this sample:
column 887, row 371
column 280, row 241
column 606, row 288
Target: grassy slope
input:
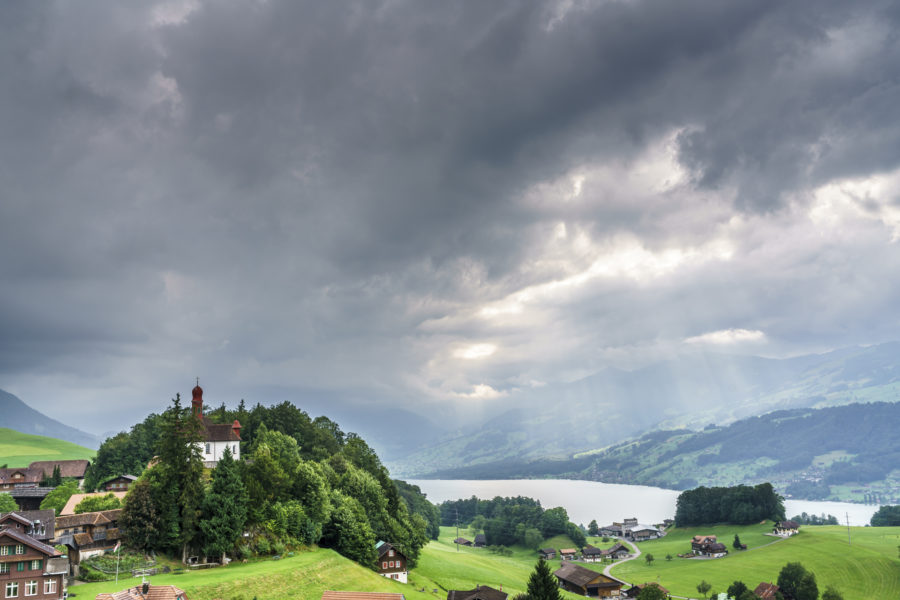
column 868, row 569
column 19, row 449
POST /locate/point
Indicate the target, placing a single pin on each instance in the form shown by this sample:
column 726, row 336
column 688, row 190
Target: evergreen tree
column 794, row 581
column 140, row 520
column 737, row 546
column 224, row 508
column 7, row 504
column 541, row 584
column 736, row 589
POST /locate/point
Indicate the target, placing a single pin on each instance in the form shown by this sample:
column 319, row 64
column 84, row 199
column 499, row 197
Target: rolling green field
column 19, row 449
column 868, row 569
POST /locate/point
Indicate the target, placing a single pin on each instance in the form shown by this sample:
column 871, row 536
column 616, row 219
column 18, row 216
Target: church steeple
column 197, row 401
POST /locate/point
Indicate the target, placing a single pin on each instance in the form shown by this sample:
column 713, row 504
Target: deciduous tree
column 703, row 588
column 796, row 582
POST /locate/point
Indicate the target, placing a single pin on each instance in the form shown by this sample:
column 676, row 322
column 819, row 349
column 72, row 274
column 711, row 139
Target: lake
column 608, row 502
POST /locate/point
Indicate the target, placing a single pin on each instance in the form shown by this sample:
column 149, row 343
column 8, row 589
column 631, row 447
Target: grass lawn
column 20, row 449
column 868, row 569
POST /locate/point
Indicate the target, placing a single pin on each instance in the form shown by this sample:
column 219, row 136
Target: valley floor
column 868, row 569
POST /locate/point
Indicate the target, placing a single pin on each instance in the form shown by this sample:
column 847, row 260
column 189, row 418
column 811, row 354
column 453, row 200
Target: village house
column 766, row 591
column 216, row 437
column 706, row 545
column 568, row 553
column 547, row 553
column 87, row 534
column 68, row 469
column 118, row 484
column 636, row 589
column 29, row 497
column 579, row 580
column 480, row 540
column 786, row 528
column 616, row 552
column 591, row 554
column 642, row 533
column 391, row 562
column 481, row 592
column 462, row 541
column 340, row 595
column 29, row 567
column 146, row 591
column 10, row 478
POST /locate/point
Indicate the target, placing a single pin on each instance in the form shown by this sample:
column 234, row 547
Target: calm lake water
column 608, row 502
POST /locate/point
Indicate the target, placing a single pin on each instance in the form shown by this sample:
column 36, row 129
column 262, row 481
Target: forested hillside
column 845, row 452
column 301, row 481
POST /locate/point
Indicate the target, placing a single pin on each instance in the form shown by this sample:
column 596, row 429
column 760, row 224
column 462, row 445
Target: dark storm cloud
column 326, row 194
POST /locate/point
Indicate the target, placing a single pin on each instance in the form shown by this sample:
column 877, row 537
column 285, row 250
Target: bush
column 262, row 546
column 278, row 548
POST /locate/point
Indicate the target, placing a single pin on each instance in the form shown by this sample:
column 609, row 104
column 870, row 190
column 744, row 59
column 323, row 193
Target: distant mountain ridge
column 20, row 417
column 849, row 453
column 688, row 392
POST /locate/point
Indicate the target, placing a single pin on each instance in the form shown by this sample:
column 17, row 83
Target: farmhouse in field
column 579, row 580
column 146, row 592
column 706, row 545
column 616, row 552
column 786, row 528
column 568, row 553
column 547, row 553
column 462, row 541
column 632, row 530
column 591, row 554
column 481, row 592
column 391, row 562
column 29, row 566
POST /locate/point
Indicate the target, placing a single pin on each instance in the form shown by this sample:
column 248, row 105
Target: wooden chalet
column 29, row 497
column 706, row 545
column 547, row 553
column 766, row 591
column 118, row 484
column 10, row 478
column 39, row 524
column 568, row 553
column 480, row 540
column 68, row 469
column 786, row 528
column 616, row 551
column 481, row 592
column 591, row 554
column 87, row 534
column 579, row 580
column 636, row 589
column 391, row 562
column 29, row 567
column 146, row 592
column 462, row 541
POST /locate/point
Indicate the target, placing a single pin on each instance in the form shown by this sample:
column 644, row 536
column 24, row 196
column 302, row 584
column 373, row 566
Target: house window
column 4, row 568
column 12, row 589
column 35, row 564
column 31, row 588
column 4, row 550
column 20, row 549
column 49, row 586
column 207, row 447
column 234, row 449
column 390, row 552
column 384, row 565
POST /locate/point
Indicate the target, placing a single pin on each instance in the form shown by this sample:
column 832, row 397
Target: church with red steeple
column 216, row 437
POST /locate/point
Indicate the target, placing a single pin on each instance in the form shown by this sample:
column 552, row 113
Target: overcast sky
column 434, row 205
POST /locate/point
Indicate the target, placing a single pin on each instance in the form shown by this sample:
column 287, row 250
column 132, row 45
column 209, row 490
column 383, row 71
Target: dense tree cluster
column 739, row 505
column 807, row 519
column 508, row 521
column 304, row 481
column 886, row 516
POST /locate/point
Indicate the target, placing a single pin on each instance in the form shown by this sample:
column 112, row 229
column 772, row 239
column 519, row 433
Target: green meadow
column 20, row 449
column 869, row 568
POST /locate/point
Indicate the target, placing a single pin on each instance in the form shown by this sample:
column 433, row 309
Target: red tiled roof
column 214, row 432
column 766, row 591
column 155, row 592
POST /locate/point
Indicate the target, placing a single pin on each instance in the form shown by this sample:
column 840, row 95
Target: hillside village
column 46, row 549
